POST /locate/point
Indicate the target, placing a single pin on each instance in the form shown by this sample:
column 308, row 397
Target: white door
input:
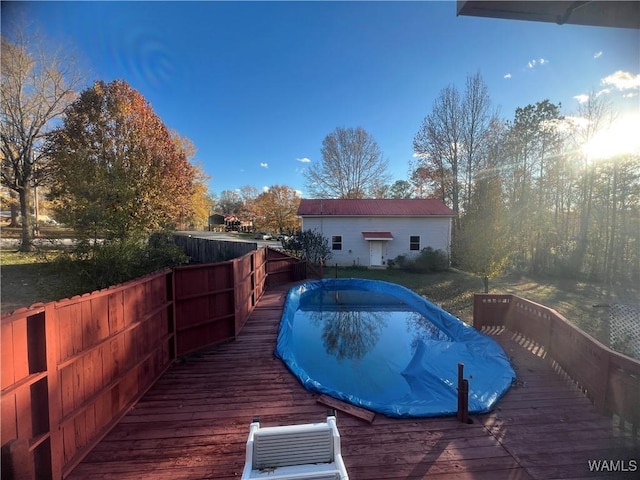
column 375, row 257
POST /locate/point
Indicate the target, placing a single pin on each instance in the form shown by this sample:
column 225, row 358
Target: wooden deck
column 194, row 422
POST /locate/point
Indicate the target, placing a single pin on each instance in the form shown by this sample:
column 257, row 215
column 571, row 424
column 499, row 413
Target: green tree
column 401, row 189
column 309, row 245
column 482, row 243
column 118, row 173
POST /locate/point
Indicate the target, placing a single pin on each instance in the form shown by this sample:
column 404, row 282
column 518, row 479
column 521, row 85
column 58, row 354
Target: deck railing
column 72, row 369
column 610, row 379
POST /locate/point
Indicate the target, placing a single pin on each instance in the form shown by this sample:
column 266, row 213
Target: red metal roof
column 374, row 207
column 377, row 235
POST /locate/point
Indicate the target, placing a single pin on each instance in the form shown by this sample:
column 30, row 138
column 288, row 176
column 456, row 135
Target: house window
column 414, row 242
column 336, row 242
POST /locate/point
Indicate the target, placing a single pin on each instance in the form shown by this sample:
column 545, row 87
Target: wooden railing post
column 463, row 396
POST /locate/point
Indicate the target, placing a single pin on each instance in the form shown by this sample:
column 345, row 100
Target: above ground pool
column 380, row 346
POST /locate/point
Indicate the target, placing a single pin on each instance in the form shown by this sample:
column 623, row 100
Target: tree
column 352, row 166
column 476, row 120
column 438, row 146
column 37, row 86
column 401, row 189
column 597, row 115
column 534, row 142
column 117, row 172
column 276, row 210
column 230, row 202
column 202, row 202
column 310, row 245
column 482, row 244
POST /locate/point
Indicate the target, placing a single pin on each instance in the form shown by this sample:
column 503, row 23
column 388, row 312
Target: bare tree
column 37, row 86
column 352, row 166
column 438, row 146
column 476, row 119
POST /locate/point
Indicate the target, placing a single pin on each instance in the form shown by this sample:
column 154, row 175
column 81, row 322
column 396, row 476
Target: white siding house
column 370, row 232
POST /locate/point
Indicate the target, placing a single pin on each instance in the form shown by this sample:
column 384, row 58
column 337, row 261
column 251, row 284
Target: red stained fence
column 213, row 301
column 72, row 369
column 610, row 379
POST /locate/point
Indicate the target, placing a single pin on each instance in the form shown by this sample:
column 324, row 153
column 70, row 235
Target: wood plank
column 361, row 413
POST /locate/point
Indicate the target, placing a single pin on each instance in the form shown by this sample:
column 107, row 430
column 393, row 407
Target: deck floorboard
column 193, row 423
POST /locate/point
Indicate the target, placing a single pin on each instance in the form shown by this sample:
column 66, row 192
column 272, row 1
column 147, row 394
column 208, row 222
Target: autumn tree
column 276, row 209
column 37, row 85
column 201, row 201
column 352, row 166
column 118, row 174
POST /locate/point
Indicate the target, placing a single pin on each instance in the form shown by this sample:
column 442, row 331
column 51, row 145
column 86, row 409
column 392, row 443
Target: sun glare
column 622, row 137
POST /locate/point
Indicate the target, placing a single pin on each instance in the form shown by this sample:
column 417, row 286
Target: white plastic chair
column 307, row 451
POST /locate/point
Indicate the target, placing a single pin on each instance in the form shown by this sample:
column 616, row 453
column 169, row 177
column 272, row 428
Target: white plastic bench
column 309, row 451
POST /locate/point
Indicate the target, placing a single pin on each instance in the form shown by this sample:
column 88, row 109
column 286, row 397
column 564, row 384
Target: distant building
column 369, row 232
column 235, row 224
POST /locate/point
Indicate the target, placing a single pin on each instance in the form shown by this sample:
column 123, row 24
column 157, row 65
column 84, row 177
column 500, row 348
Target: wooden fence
column 209, row 250
column 72, row 369
column 213, row 301
column 610, row 379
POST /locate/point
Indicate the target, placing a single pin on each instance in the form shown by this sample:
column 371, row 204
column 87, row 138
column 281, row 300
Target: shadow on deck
column 193, row 423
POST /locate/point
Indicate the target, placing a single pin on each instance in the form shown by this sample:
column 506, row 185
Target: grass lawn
column 27, row 278
column 453, row 291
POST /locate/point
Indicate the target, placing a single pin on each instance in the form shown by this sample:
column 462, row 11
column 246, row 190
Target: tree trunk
column 15, row 209
column 25, row 211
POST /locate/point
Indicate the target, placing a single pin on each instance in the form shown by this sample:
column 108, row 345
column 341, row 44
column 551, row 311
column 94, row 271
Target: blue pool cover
column 380, row 346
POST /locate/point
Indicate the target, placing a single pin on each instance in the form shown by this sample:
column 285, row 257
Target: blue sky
column 258, row 85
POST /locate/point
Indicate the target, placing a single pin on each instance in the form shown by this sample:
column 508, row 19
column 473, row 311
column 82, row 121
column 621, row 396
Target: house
column 369, row 232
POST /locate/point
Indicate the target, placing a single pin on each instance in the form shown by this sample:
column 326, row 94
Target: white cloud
column 597, row 54
column 630, row 95
column 535, row 62
column 603, row 91
column 299, row 193
column 508, row 75
column 622, row 80
column 265, row 189
column 303, row 160
column 264, row 164
column 582, row 98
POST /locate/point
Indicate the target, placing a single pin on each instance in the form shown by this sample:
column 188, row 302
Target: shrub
column 428, row 260
column 93, row 266
column 309, row 245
